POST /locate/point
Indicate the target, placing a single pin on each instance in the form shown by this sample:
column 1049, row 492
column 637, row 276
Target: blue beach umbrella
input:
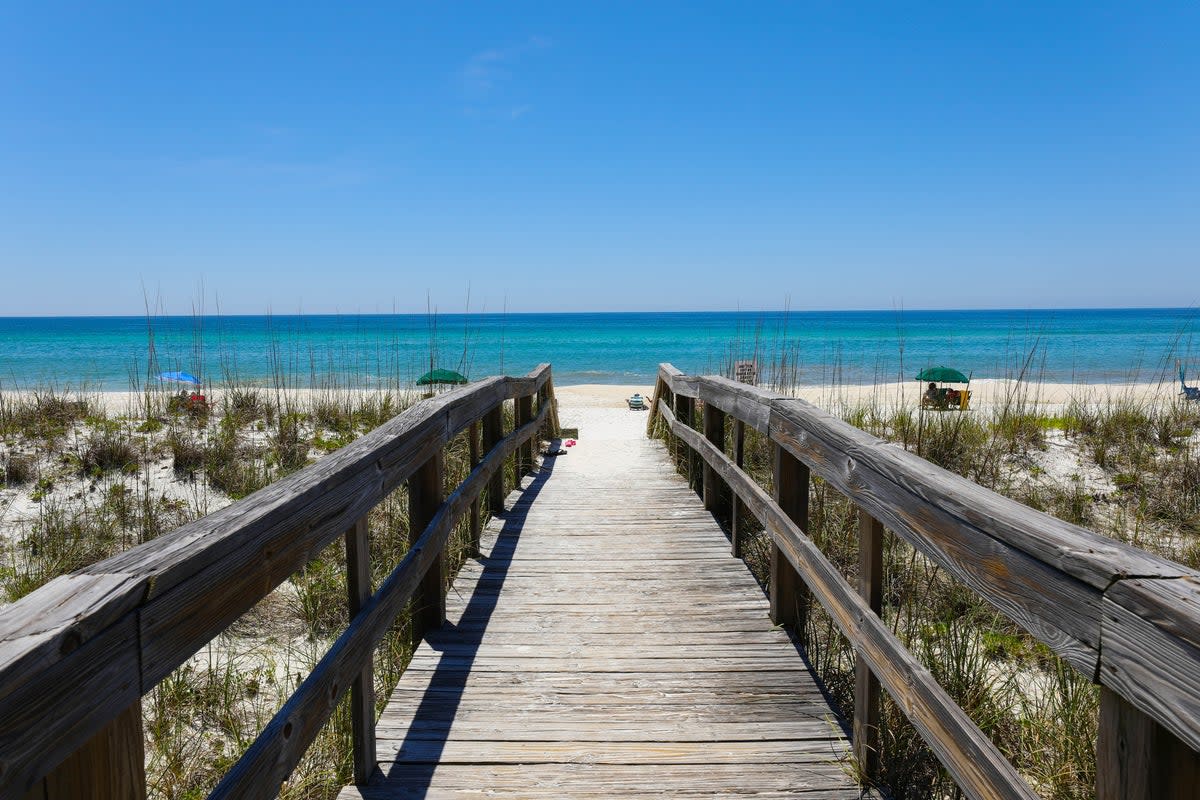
column 178, row 377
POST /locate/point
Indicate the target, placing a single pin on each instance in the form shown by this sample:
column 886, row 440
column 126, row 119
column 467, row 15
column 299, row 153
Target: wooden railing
column 1126, row 619
column 77, row 655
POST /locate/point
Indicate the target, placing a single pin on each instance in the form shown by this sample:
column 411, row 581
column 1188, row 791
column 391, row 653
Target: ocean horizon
column 392, row 350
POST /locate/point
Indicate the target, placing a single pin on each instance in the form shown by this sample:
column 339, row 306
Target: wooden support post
column 524, row 460
column 493, row 432
column 1138, row 759
column 543, row 397
column 716, row 494
column 424, row 496
column 476, row 517
column 866, row 685
column 652, row 417
column 362, row 690
column 111, row 764
column 789, row 595
column 739, row 458
column 685, row 408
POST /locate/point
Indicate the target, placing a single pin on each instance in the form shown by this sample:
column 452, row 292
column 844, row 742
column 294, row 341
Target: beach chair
column 637, row 403
column 1188, row 392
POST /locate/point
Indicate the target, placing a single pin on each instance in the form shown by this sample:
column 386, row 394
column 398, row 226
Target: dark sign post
column 746, row 372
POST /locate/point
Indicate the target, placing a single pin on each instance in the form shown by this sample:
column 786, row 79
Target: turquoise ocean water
column 1092, row 345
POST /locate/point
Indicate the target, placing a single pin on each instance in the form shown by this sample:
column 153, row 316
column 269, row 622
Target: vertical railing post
column 524, row 460
column 653, row 415
column 739, row 458
column 111, row 764
column 425, row 489
column 685, row 408
column 362, row 690
column 789, row 594
column 716, row 495
column 1138, row 759
column 545, row 398
column 476, row 517
column 493, row 432
column 672, row 442
column 866, row 685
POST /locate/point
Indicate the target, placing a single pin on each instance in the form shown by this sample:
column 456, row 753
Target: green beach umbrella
column 440, row 376
column 943, row 375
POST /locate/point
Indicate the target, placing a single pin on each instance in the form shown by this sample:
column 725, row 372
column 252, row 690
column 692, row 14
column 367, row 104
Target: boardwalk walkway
column 607, row 645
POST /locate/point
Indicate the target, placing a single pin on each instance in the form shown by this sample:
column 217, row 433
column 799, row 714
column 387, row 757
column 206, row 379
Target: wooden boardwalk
column 608, row 644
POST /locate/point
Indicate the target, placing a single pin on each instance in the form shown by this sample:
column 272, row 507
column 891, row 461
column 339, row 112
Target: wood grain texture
column 1151, row 650
column 362, row 688
column 866, row 685
column 735, row 522
column 716, row 494
column 493, row 433
column 524, row 460
column 1138, row 759
column 424, row 501
column 608, row 644
column 110, row 765
column 789, row 594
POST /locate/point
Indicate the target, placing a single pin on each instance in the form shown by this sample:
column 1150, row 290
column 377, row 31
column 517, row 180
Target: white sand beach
column 987, row 394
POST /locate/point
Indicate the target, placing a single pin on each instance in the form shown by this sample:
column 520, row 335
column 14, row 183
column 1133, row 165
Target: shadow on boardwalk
column 438, row 708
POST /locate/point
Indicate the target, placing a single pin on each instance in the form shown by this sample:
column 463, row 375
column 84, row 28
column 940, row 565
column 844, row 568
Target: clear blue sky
column 614, row 157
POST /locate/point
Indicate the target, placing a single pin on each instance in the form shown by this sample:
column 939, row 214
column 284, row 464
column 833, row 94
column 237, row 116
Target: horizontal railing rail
column 77, row 655
column 1126, row 619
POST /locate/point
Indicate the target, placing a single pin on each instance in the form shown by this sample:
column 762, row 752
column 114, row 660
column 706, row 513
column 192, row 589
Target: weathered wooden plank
column 789, row 594
column 1151, row 650
column 424, row 500
column 677, row 382
column 685, row 411
column 652, row 417
column 716, row 496
column 1138, row 759
column 554, row 780
column 746, row 403
column 493, row 433
column 547, row 728
column 529, row 707
column 657, row 753
column 362, row 689
column 739, row 456
column 524, row 460
column 42, row 720
column 476, row 518
column 111, row 764
column 866, row 685
column 529, row 384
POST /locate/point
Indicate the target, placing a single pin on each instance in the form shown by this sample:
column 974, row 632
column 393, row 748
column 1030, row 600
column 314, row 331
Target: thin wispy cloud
column 485, row 70
column 484, row 76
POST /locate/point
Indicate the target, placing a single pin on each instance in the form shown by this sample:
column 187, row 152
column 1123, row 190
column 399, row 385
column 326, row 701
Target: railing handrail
column 1127, row 619
column 78, row 651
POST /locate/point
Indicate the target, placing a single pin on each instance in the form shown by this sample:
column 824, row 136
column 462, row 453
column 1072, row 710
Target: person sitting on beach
column 931, row 394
